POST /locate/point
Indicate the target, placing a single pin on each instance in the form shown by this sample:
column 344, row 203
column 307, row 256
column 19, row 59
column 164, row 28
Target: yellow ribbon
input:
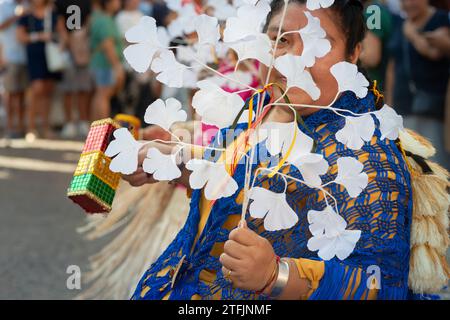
column 377, row 93
column 284, row 159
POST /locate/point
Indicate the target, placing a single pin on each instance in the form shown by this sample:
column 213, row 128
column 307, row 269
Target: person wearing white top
column 15, row 81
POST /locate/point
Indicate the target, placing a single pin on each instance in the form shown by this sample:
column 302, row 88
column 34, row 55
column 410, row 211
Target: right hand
column 45, row 36
column 140, row 177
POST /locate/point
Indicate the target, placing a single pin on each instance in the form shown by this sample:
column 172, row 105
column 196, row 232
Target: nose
column 296, row 48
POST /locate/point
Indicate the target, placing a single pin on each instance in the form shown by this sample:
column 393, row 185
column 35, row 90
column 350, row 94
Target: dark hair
column 103, row 3
column 351, row 19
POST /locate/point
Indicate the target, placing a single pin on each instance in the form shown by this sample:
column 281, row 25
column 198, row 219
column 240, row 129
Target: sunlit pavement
column 38, row 238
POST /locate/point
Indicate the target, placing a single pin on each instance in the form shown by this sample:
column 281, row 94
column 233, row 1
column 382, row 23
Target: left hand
column 250, row 258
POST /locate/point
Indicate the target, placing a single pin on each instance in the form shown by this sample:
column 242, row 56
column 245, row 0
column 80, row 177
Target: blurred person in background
column 127, row 18
column 33, row 34
column 107, row 57
column 156, row 9
column 15, row 79
column 440, row 39
column 77, row 82
column 374, row 56
column 419, row 72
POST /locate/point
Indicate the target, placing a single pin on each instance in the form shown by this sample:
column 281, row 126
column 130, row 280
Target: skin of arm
column 24, row 37
column 62, row 32
column 109, row 49
column 139, row 178
column 372, row 51
column 420, row 43
column 440, row 39
column 8, row 22
column 389, row 83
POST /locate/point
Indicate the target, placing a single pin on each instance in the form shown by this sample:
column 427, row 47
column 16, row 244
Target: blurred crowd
column 407, row 50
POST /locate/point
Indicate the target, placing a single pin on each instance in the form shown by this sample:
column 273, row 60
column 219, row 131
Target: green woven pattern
column 91, row 183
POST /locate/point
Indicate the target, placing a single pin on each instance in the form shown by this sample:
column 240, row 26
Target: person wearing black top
column 421, row 72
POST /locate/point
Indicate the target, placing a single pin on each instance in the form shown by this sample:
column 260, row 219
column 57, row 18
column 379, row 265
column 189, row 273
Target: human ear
column 356, row 53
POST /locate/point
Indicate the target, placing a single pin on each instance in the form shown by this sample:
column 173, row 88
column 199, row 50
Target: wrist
column 267, row 289
column 281, row 280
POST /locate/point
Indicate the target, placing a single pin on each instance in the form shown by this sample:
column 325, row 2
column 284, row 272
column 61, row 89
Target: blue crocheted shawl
column 382, row 212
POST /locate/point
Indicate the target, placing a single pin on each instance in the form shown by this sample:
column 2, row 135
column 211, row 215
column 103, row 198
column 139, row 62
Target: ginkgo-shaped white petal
column 165, row 114
column 350, row 79
column 207, row 28
column 330, row 237
column 144, row 44
column 280, row 137
column 356, row 131
column 171, row 72
column 311, row 166
column 273, row 208
column 163, row 167
column 212, row 177
column 390, row 123
column 340, row 246
column 125, row 150
column 249, row 22
column 351, row 176
column 317, row 4
column 256, row 47
column 293, row 68
column 216, row 106
column 315, row 45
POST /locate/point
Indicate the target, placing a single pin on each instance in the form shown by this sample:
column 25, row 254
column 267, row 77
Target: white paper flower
column 146, row 43
column 330, row 237
column 315, row 45
column 351, row 176
column 165, row 114
column 356, row 131
column 311, row 166
column 349, row 78
column 256, row 47
column 249, row 22
column 317, row 4
column 213, row 177
column 273, row 208
column 280, row 137
column 390, row 123
column 207, row 28
column 293, row 68
column 125, row 150
column 171, row 72
column 215, row 105
column 163, row 167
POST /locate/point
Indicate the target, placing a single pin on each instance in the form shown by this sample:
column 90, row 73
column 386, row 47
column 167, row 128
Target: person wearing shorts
column 15, row 79
column 77, row 84
column 107, row 57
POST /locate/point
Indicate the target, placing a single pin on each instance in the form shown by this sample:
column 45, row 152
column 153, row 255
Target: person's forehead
column 296, row 19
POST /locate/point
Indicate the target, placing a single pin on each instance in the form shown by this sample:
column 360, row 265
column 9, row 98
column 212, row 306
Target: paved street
column 38, row 238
